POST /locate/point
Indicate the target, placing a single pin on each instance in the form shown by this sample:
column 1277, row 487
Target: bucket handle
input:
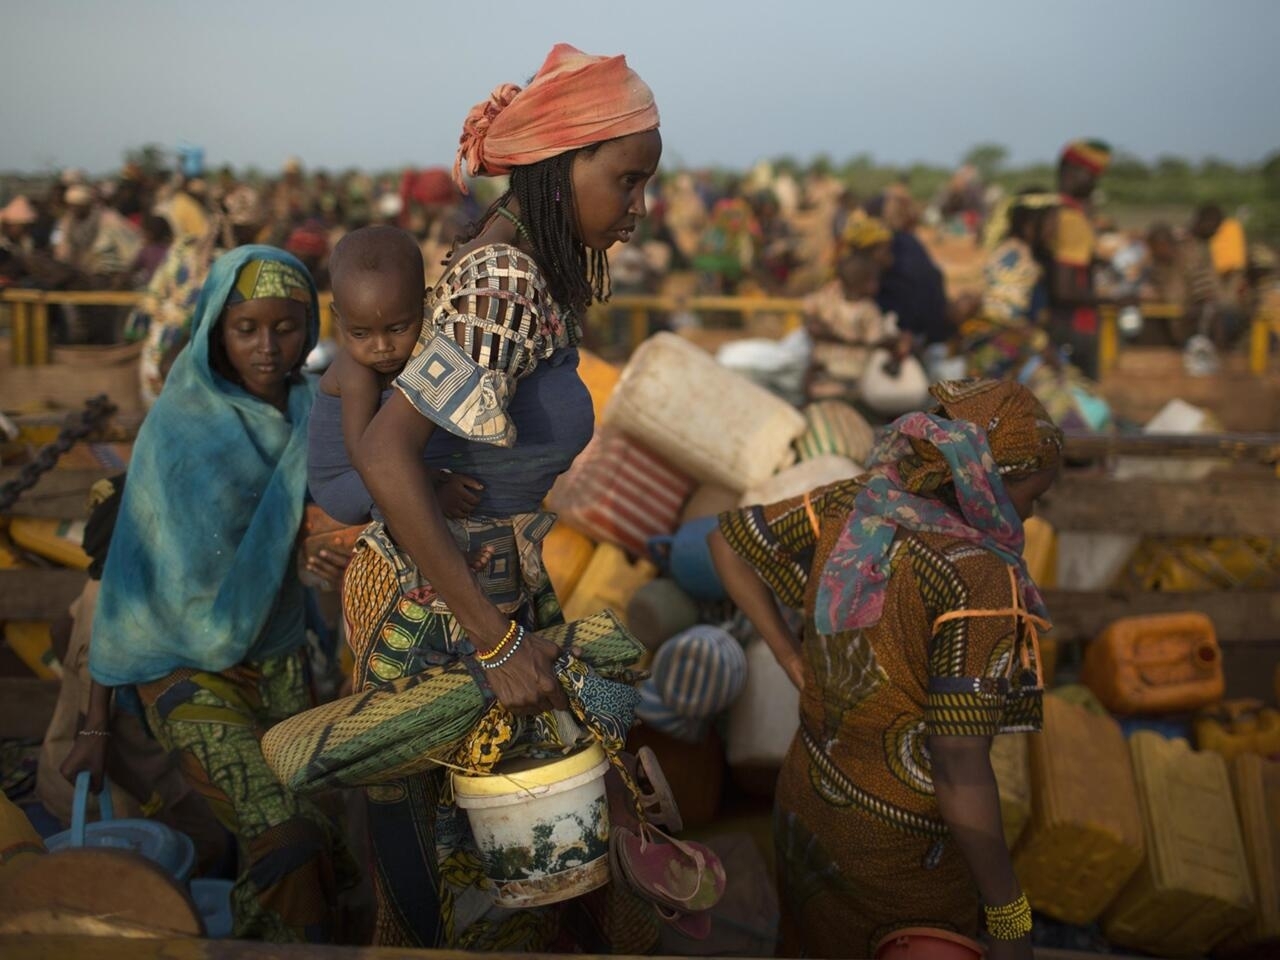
column 660, row 551
column 80, row 805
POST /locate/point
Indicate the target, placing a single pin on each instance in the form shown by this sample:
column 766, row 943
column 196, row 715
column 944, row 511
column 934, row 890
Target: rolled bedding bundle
column 415, row 723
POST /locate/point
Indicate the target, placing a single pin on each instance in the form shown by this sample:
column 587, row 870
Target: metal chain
column 78, row 426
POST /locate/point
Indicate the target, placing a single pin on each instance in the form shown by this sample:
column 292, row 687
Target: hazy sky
column 380, row 83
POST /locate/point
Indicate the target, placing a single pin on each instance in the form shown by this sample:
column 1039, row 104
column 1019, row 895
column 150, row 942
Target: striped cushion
column 656, row 713
column 834, row 427
column 700, row 672
column 618, row 492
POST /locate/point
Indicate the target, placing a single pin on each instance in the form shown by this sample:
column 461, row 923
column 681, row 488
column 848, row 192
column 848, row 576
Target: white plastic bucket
column 542, row 827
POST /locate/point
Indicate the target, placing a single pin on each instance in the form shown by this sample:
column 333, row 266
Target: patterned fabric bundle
column 618, row 492
column 432, row 717
column 835, row 428
column 1072, row 400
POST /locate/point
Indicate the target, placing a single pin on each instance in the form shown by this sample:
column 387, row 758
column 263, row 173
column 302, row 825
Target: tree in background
column 1265, row 222
column 151, row 158
column 988, row 158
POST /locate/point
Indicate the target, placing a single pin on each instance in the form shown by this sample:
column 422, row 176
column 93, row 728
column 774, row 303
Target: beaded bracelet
column 490, row 654
column 495, row 664
column 93, row 733
column 1010, row 922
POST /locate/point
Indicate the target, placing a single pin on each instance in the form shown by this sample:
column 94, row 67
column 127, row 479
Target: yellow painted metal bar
column 1108, row 342
column 734, row 304
column 19, row 335
column 1162, row 311
column 38, row 321
column 22, row 295
column 92, row 298
column 30, row 335
column 1259, row 344
column 639, row 319
column 326, row 316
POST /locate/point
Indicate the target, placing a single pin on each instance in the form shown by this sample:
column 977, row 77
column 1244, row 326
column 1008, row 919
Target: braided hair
column 576, row 276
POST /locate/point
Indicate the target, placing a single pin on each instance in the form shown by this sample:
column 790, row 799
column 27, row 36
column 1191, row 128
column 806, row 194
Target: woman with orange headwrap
column 919, row 645
column 492, row 390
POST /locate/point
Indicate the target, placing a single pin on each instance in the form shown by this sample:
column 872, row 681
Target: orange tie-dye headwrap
column 574, row 100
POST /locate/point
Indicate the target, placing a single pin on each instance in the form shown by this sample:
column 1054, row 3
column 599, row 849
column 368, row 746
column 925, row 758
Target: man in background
column 1073, row 302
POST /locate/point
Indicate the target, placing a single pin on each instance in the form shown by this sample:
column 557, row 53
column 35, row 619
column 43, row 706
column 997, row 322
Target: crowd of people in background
column 769, row 232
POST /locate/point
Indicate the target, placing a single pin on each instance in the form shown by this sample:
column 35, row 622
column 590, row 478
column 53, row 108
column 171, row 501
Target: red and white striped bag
column 618, row 492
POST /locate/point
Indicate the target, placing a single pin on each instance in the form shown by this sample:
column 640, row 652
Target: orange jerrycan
column 1157, row 664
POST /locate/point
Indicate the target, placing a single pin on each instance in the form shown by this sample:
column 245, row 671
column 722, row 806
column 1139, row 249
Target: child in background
column 378, row 290
column 846, row 325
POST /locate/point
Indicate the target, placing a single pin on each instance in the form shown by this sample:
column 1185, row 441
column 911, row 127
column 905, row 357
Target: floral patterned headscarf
column 981, row 433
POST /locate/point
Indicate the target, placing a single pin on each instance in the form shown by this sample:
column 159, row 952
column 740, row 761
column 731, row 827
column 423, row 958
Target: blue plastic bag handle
column 80, row 806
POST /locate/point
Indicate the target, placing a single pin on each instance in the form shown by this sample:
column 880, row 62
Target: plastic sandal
column 696, row 926
column 680, row 875
column 659, row 803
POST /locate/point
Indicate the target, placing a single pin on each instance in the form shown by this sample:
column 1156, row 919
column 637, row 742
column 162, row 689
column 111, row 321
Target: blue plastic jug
column 686, row 558
column 173, row 851
column 213, row 900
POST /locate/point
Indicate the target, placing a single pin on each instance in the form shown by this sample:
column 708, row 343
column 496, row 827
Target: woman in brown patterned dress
column 918, row 647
